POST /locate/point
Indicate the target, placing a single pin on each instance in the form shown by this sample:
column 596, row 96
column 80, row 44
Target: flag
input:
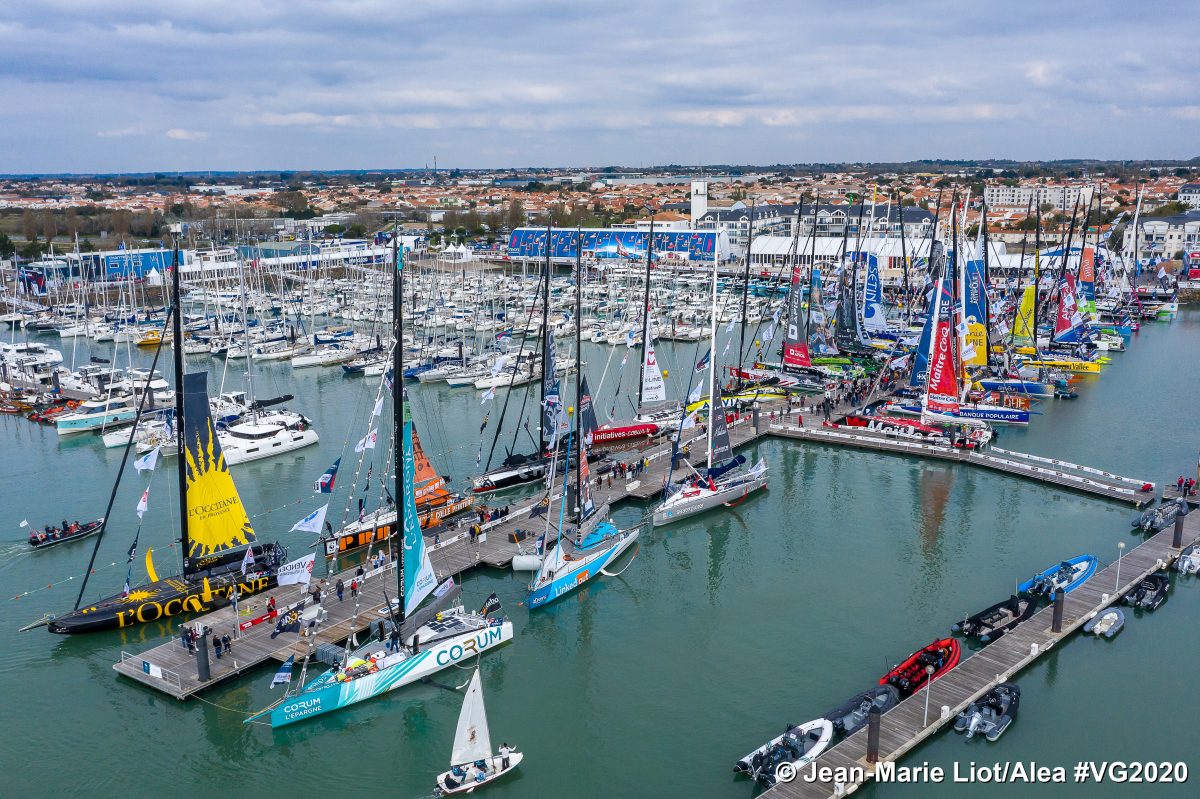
column 490, row 394
column 147, row 461
column 297, row 571
column 248, row 560
column 729, row 327
column 284, row 675
column 378, row 407
column 759, row 468
column 500, row 363
column 725, row 351
column 695, row 395
column 702, row 364
column 24, row 523
column 144, row 502
column 368, row 441
column 324, row 484
column 689, row 421
column 629, row 338
column 539, row 546
column 490, row 605
column 133, row 546
column 444, row 588
column 312, row 522
column 482, row 425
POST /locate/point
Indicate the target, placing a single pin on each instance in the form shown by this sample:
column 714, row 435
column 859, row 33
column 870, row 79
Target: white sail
column 471, row 740
column 653, row 387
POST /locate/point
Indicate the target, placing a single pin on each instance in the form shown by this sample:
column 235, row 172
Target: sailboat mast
column 713, row 363
column 746, row 288
column 180, row 460
column 578, row 372
column 1037, row 275
column 985, row 302
column 646, row 313
column 398, row 406
column 1020, row 277
column 545, row 340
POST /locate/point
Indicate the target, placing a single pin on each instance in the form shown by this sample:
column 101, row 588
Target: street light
column 928, row 687
column 1120, row 552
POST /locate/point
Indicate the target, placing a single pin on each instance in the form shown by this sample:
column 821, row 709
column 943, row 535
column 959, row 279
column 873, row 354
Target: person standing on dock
column 394, row 639
column 1179, row 485
column 353, row 590
column 227, row 643
column 340, row 588
column 217, row 647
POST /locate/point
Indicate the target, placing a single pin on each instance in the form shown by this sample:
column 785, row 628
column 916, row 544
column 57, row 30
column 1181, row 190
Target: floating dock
column 1033, row 467
column 904, row 727
column 171, row 668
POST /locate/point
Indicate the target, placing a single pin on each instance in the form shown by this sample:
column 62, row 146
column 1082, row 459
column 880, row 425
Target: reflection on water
column 935, row 485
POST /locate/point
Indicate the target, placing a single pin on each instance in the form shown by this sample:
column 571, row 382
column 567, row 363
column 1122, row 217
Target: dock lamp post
column 928, row 688
column 1120, row 552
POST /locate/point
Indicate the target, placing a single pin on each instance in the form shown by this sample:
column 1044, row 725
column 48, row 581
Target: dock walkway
column 1033, row 467
column 903, row 728
column 171, row 668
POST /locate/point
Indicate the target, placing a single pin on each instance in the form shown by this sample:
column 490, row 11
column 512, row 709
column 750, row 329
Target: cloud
column 118, row 133
column 375, row 83
column 183, row 134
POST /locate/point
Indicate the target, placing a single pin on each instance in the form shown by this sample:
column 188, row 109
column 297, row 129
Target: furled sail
column 654, row 389
column 921, row 358
column 795, row 340
column 1068, row 321
column 942, row 385
column 419, row 579
column 874, row 316
column 975, row 312
column 217, row 520
column 1023, row 332
column 721, row 448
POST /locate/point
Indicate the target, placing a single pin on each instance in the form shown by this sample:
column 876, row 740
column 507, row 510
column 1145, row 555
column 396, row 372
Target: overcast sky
column 323, row 84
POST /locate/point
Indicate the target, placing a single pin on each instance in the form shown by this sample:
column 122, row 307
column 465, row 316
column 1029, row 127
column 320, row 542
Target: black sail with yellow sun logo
column 216, row 519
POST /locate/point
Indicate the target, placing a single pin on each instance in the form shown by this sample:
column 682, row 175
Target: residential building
column 1061, row 197
column 1165, row 238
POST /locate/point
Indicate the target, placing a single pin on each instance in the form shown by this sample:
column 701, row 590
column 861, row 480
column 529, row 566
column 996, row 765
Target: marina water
column 727, row 627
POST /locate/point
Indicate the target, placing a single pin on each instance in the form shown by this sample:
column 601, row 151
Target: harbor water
column 727, row 626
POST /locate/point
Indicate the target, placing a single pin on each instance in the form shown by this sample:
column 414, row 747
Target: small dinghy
column 1068, row 575
column 1188, row 561
column 1107, row 623
column 1158, row 519
column 799, row 745
column 992, row 714
column 991, row 623
column 1150, row 592
column 472, row 764
column 852, row 714
column 911, row 675
column 73, row 531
